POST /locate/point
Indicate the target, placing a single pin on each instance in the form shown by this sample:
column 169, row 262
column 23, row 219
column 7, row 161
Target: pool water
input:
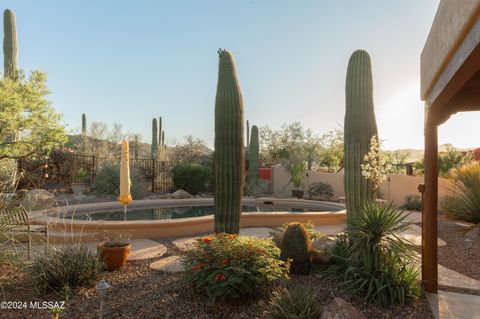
column 179, row 212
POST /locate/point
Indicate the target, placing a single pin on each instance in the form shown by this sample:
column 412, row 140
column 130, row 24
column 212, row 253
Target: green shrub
column 277, row 234
column 107, row 180
column 412, row 202
column 296, row 246
column 294, row 302
column 372, row 260
column 226, row 266
column 192, row 178
column 61, row 270
column 320, row 191
column 463, row 202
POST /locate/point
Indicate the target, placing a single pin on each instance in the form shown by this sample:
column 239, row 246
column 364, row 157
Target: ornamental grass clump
column 372, row 260
column 463, row 202
column 107, row 181
column 225, row 266
column 61, row 270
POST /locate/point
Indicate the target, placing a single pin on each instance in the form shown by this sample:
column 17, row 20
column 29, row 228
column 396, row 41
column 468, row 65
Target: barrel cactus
column 296, row 245
column 229, row 153
column 359, row 127
column 253, row 160
column 10, row 45
column 154, row 146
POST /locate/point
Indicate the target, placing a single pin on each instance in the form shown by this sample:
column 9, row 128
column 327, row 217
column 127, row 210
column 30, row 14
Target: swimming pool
column 161, row 213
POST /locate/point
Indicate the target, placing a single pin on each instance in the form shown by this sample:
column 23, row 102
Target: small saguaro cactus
column 160, row 132
column 154, row 146
column 84, row 132
column 359, row 127
column 229, row 153
column 248, row 136
column 135, row 151
column 296, row 245
column 10, row 45
column 253, row 160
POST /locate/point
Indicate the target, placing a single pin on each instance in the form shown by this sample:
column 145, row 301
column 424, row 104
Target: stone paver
column 185, row 244
column 146, row 249
column 260, row 232
column 414, row 235
column 451, row 305
column 451, row 278
column 413, row 216
column 172, row 264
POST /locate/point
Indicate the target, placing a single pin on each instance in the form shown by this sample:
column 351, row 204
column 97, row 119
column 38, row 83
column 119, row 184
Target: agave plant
column 371, row 258
column 463, row 202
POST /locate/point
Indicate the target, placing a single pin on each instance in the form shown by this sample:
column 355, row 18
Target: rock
column 181, row 194
column 172, row 264
column 340, row 309
column 38, row 199
column 473, row 234
column 185, row 244
column 324, row 243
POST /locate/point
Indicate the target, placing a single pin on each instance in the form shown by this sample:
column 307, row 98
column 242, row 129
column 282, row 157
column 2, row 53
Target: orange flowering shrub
column 226, row 266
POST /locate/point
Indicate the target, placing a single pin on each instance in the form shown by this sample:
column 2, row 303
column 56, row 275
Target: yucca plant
column 371, row 258
column 463, row 202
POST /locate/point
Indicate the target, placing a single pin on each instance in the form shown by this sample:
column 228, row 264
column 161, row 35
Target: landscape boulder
column 340, row 309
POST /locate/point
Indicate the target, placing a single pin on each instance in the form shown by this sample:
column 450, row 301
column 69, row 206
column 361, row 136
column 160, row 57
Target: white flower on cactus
column 375, row 166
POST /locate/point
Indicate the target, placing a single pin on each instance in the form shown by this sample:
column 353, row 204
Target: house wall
column 395, row 190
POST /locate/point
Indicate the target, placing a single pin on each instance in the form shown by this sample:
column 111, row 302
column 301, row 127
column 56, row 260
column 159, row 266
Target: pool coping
column 183, row 226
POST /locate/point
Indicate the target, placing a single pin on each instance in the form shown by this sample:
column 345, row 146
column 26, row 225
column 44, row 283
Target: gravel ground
column 455, row 255
column 140, row 292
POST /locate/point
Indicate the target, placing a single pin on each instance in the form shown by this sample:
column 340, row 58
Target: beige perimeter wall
column 396, row 190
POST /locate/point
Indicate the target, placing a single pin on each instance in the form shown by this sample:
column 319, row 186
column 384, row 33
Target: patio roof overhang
column 450, row 83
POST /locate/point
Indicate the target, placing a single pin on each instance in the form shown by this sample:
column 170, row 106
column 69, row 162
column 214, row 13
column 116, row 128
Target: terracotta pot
column 298, row 193
column 114, row 257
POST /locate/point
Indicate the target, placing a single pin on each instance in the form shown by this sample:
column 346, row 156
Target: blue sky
column 130, row 61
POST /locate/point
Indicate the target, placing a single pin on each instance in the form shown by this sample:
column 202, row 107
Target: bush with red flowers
column 225, row 266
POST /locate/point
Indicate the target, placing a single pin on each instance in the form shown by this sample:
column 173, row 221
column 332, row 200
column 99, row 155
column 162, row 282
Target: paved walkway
column 451, row 305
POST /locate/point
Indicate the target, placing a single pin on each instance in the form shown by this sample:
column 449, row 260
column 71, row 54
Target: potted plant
column 297, row 174
column 114, row 253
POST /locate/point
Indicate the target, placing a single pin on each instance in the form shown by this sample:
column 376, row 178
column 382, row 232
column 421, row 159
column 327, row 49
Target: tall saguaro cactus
column 359, row 127
column 10, row 45
column 154, row 146
column 248, row 135
column 84, row 132
column 229, row 153
column 253, row 160
column 160, row 131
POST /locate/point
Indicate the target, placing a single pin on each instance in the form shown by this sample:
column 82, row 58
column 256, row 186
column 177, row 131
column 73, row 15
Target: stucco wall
column 396, row 190
column 453, row 20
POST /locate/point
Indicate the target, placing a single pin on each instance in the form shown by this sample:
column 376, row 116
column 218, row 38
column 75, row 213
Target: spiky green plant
column 253, row 160
column 154, row 146
column 229, row 153
column 371, row 258
column 296, row 245
column 10, row 45
column 359, row 127
column 463, row 200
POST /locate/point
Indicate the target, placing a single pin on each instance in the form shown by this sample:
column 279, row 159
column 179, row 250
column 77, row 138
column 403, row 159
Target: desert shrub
column 226, row 266
column 463, row 202
column 320, row 191
column 277, row 234
column 107, row 180
column 372, row 260
column 296, row 246
column 61, row 270
column 294, row 301
column 412, row 202
column 192, row 178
